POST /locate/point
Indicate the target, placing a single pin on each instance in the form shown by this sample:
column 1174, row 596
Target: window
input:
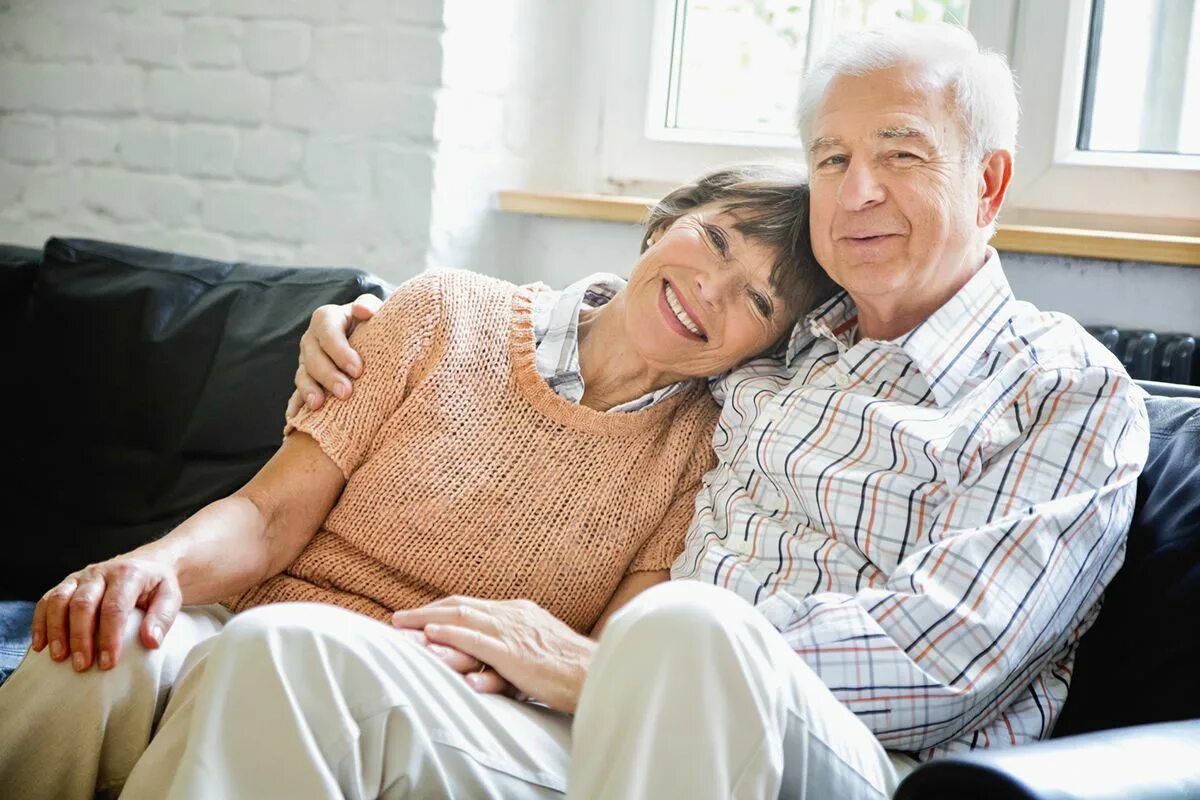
column 1109, row 115
column 1142, row 82
column 1110, row 95
column 732, row 67
column 695, row 83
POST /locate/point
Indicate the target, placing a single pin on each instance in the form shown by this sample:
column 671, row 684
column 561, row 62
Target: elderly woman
column 507, row 443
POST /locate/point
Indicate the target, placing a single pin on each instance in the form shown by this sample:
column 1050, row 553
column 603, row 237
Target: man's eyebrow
column 822, row 142
column 904, row 132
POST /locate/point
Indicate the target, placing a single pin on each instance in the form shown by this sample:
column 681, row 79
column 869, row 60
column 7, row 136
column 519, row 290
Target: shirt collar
column 560, row 311
column 556, row 329
column 836, row 319
column 946, row 347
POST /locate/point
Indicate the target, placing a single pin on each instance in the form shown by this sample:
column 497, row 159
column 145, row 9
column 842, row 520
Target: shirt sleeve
column 393, row 345
column 1014, row 561
column 666, row 543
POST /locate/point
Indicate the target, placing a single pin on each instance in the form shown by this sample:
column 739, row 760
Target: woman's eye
column 717, row 237
column 762, row 304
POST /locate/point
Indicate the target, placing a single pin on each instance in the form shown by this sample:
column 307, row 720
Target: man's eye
column 904, row 156
column 833, row 161
column 717, row 237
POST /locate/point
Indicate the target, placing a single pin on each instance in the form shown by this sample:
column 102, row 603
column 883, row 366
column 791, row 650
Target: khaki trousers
column 77, row 735
column 691, row 695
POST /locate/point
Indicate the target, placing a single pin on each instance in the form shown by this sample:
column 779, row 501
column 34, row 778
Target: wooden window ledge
column 1078, row 242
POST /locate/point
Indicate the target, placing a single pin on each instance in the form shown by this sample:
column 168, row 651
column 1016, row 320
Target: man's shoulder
column 1050, row 341
column 1048, row 360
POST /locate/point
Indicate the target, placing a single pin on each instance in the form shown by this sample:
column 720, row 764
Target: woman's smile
column 678, row 316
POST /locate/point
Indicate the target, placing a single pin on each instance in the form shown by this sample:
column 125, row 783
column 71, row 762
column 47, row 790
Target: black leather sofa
column 141, row 385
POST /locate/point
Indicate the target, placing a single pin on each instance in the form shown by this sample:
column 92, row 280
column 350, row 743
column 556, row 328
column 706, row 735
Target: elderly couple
column 452, row 578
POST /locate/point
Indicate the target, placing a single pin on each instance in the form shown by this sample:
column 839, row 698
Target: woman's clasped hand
column 530, row 652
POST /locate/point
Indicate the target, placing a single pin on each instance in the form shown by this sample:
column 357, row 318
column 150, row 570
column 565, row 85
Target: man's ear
column 994, row 178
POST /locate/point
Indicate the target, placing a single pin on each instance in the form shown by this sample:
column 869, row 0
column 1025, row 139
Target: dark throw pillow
column 160, row 385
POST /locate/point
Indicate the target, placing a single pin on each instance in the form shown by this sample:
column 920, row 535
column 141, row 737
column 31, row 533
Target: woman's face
column 699, row 301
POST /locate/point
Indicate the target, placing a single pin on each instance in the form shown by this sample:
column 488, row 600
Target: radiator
column 1153, row 356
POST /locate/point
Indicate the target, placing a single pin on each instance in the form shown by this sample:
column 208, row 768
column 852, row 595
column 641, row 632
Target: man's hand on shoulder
column 327, row 362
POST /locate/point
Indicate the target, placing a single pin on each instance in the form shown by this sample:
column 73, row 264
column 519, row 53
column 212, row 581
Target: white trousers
column 691, row 694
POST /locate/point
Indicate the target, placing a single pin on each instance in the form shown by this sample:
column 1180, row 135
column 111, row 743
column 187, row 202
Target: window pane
column 1142, row 91
column 736, row 65
column 872, row 13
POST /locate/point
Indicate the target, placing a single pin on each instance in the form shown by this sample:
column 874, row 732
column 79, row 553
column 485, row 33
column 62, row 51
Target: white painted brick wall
column 372, row 133
column 276, row 48
column 27, row 139
column 283, row 131
column 212, row 43
column 146, row 145
column 86, row 141
column 206, row 151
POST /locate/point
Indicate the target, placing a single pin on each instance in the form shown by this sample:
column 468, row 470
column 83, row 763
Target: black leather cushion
column 18, row 267
column 1148, row 762
column 160, row 386
column 1138, row 663
column 18, row 270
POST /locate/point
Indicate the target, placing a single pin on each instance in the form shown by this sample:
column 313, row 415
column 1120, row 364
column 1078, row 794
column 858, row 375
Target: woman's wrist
column 581, row 661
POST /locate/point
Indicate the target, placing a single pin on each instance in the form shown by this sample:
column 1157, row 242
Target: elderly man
column 917, row 507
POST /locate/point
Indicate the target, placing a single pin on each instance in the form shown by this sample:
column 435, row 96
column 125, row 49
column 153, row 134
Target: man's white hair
column 981, row 86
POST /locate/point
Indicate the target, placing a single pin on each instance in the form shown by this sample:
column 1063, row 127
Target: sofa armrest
column 1148, row 762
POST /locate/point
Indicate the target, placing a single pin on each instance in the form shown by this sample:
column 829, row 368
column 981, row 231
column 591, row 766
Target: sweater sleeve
column 393, row 345
column 665, row 544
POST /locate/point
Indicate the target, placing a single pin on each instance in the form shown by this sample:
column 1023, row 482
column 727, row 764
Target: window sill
column 1077, row 242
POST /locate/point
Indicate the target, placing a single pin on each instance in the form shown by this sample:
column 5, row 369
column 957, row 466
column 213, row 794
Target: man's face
column 894, row 206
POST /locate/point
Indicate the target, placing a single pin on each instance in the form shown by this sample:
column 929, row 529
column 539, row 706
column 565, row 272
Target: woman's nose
column 715, row 286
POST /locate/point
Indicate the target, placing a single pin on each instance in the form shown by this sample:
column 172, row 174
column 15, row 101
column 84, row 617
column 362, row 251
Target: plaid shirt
column 929, row 521
column 556, row 333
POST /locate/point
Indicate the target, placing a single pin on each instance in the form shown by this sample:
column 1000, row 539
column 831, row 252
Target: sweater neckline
column 523, row 357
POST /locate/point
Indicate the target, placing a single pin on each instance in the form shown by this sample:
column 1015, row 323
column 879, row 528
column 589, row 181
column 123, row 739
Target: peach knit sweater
column 466, row 473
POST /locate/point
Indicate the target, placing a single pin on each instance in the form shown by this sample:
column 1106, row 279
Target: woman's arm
column 241, row 540
column 226, row 547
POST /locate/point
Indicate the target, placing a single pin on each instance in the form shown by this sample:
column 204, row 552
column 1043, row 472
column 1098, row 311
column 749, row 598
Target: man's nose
column 860, row 187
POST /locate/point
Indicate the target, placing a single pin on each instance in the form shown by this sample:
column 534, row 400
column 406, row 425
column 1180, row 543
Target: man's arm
column 1013, row 563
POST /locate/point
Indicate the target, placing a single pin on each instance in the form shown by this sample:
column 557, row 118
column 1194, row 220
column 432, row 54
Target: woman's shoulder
column 463, row 281
column 460, row 289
